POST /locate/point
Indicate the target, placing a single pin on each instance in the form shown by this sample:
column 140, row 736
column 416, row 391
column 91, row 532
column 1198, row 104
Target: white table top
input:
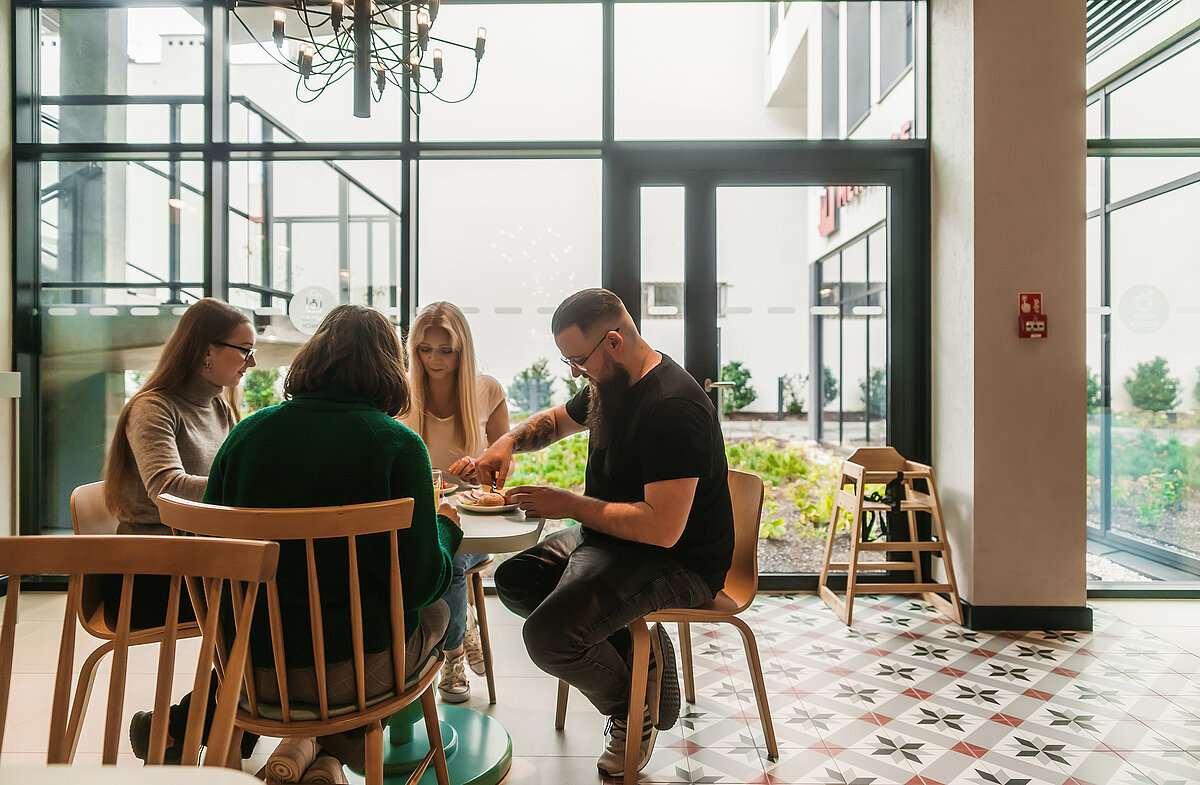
column 123, row 775
column 499, row 533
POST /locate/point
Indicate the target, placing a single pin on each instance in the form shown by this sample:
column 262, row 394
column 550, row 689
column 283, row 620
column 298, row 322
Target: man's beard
column 607, row 406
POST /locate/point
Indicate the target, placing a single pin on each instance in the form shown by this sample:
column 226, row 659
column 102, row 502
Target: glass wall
column 502, row 203
column 1143, row 316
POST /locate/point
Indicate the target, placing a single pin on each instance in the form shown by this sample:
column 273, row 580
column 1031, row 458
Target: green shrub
column 793, row 399
column 530, row 389
column 562, row 464
column 258, row 388
column 1093, row 392
column 1196, row 389
column 831, row 386
column 741, row 394
column 878, row 388
column 1151, row 388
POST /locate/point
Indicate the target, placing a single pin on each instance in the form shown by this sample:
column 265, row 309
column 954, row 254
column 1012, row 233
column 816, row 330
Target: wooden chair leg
column 485, row 640
column 685, row 653
column 560, row 711
column 434, row 729
column 83, row 694
column 637, row 698
column 233, row 757
column 760, row 686
column 374, row 753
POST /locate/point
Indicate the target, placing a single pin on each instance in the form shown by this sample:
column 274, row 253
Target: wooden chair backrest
column 878, row 459
column 89, row 515
column 307, row 525
column 244, row 565
column 746, row 492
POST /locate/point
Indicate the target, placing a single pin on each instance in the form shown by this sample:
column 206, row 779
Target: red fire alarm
column 1031, row 318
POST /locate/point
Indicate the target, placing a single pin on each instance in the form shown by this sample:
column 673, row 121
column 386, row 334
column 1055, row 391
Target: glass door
column 779, row 298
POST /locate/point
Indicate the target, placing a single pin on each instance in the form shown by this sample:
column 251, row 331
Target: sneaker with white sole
column 453, row 685
column 611, row 762
column 471, row 644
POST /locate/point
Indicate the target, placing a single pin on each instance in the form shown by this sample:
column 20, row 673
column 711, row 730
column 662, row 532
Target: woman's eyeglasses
column 246, row 353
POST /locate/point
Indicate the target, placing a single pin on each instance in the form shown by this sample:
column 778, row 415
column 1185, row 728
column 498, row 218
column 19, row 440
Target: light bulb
column 423, row 29
column 380, row 77
column 414, row 64
column 277, row 29
column 437, row 64
column 336, row 10
column 480, row 41
column 433, row 9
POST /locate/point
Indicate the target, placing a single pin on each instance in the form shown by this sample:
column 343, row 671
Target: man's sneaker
column 662, row 686
column 611, row 762
column 471, row 644
column 454, row 686
column 139, row 740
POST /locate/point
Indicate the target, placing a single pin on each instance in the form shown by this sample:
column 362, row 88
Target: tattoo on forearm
column 535, row 433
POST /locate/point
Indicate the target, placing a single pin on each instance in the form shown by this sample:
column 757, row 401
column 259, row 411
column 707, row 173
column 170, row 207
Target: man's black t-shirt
column 672, row 432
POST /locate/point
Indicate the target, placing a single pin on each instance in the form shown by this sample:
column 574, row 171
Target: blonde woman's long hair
column 466, row 417
column 202, row 323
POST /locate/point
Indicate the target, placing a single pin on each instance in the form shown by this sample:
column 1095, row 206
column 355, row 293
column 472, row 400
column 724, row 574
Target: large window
column 1143, row 316
column 146, row 181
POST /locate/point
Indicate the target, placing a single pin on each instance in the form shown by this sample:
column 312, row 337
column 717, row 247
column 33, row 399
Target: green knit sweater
column 325, row 448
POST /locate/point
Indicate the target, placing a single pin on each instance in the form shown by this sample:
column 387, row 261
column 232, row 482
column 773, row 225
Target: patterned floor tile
column 1164, row 768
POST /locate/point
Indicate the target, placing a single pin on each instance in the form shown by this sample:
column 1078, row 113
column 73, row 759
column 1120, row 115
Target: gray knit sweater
column 174, row 437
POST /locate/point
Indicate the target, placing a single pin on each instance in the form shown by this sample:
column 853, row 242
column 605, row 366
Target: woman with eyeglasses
column 458, row 412
column 164, row 442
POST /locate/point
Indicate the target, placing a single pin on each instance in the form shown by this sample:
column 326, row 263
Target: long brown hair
column 355, row 347
column 205, row 321
column 466, row 397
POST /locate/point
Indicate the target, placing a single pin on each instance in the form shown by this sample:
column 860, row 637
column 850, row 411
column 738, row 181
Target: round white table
column 508, row 533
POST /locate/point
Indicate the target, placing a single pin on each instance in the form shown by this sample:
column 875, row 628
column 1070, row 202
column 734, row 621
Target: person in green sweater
column 333, row 442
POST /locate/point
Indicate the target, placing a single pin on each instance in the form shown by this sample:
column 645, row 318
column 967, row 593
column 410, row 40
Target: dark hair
column 585, row 309
column 355, row 347
column 204, row 322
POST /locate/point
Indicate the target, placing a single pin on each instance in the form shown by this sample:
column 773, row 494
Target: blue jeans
column 577, row 592
column 456, row 597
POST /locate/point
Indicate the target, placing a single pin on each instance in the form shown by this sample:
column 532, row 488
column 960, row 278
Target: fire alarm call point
column 1031, row 319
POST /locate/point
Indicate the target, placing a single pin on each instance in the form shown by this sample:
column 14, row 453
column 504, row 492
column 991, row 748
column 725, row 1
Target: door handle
column 709, row 384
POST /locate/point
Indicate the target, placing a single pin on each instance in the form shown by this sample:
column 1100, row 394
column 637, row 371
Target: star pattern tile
column 906, row 697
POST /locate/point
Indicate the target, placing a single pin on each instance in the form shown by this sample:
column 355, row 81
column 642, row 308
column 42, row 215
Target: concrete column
column 1008, row 163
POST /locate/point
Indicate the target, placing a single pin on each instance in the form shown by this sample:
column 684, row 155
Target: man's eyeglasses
column 246, row 353
column 580, row 363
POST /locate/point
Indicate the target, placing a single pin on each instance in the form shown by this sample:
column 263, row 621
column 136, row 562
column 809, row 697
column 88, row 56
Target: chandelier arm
column 281, row 61
column 453, row 43
column 465, row 97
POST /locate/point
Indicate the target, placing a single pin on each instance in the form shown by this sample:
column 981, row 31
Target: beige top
column 439, row 431
column 174, row 437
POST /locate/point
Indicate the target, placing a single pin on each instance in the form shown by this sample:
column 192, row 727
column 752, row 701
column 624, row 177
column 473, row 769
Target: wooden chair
column 741, row 586
column 90, row 516
column 475, row 596
column 210, row 563
column 878, row 465
column 306, row 526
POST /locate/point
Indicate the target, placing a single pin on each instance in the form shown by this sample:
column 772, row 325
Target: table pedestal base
column 478, row 748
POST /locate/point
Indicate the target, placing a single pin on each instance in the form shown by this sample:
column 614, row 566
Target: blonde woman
column 458, row 412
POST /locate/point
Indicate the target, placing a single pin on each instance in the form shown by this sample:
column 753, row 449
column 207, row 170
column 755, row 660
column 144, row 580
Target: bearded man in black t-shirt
column 656, row 519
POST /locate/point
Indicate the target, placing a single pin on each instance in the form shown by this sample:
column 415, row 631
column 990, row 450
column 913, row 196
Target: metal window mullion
column 216, row 155
column 1106, row 479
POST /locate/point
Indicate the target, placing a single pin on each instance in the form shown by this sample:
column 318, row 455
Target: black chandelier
column 378, row 41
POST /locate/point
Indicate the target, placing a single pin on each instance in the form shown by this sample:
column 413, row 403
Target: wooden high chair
column 881, row 465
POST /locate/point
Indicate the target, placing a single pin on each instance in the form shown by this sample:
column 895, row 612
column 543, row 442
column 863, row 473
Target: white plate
column 466, row 502
column 475, row 509
column 450, row 490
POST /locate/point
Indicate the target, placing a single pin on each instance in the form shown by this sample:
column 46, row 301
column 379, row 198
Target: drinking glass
column 437, row 488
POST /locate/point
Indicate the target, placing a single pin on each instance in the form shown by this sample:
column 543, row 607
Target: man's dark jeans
column 578, row 592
